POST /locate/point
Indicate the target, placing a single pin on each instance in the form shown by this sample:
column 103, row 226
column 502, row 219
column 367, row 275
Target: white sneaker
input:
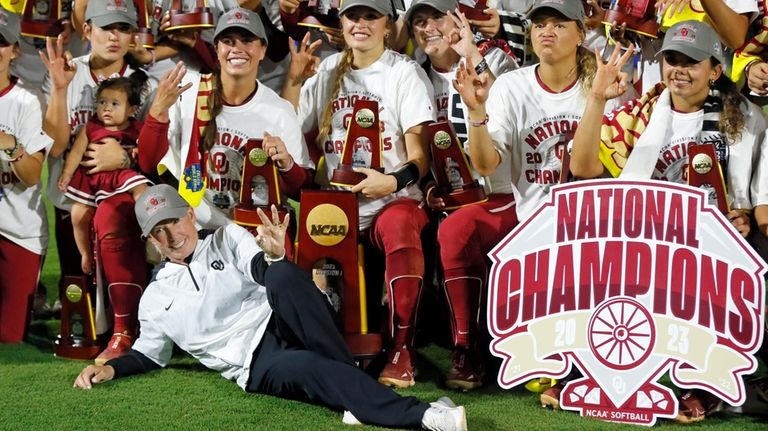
column 438, row 418
column 441, row 403
column 349, row 419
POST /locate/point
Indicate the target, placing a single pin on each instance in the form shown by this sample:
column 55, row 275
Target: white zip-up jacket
column 212, row 307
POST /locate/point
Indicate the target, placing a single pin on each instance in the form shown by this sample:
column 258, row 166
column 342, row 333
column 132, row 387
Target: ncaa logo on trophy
column 626, row 281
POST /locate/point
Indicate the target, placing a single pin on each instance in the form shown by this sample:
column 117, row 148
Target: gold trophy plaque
column 705, row 173
column 363, row 133
column 77, row 338
column 328, row 248
column 450, row 167
column 259, row 186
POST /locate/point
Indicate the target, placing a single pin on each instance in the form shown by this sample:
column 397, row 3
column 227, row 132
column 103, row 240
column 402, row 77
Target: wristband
column 270, row 260
column 13, row 154
column 474, row 123
column 481, row 67
column 406, row 175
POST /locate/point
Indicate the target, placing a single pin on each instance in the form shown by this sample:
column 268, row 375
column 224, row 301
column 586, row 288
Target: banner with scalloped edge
column 627, row 280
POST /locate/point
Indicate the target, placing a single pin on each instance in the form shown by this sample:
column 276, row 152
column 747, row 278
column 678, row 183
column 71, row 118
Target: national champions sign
column 627, row 280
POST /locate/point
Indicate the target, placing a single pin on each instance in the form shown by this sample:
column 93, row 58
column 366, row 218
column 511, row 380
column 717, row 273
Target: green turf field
column 36, row 394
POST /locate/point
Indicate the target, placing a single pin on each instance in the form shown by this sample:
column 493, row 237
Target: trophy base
column 474, row 194
column 363, row 345
column 75, row 349
column 197, row 18
column 247, row 215
column 473, row 13
column 345, row 176
column 146, row 38
column 645, row 26
column 323, row 22
column 40, row 30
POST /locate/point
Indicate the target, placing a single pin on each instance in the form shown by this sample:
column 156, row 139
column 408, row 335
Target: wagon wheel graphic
column 621, row 333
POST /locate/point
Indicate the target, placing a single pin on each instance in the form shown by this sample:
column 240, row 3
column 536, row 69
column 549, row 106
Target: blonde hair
column 345, row 65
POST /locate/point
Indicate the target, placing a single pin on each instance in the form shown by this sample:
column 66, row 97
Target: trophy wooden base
column 345, row 176
column 473, row 194
column 40, row 30
column 363, row 346
column 197, row 18
column 73, row 348
column 247, row 215
column 327, row 22
column 645, row 26
column 146, row 38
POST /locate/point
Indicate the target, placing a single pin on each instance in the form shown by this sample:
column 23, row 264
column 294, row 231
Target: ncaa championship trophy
column 328, row 248
column 363, row 132
column 190, row 15
column 322, row 14
column 77, row 338
column 640, row 16
column 43, row 18
column 450, row 167
column 145, row 31
column 704, row 172
column 259, row 187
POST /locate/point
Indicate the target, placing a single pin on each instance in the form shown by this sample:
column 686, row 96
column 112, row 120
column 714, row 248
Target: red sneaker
column 696, row 405
column 466, row 373
column 398, row 372
column 119, row 344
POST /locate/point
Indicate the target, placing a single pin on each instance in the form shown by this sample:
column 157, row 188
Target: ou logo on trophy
column 627, row 280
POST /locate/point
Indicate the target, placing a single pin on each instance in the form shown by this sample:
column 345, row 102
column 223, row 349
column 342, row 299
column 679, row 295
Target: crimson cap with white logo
column 102, row 13
column 695, row 39
column 158, row 203
column 241, row 18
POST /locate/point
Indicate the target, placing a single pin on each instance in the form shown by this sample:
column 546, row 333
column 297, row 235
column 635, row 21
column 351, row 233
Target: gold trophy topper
column 702, row 163
column 257, row 157
column 442, row 140
column 74, row 293
column 364, row 118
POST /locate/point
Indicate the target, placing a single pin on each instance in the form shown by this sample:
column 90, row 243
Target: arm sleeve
column 133, row 362
column 259, row 268
column 152, row 144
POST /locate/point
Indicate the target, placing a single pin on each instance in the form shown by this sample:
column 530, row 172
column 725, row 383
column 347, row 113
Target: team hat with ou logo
column 571, row 9
column 102, row 13
column 695, row 39
column 9, row 26
column 241, row 18
column 158, row 203
column 383, row 7
column 442, row 6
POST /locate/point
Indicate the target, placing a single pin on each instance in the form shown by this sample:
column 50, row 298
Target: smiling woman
column 389, row 217
column 231, row 107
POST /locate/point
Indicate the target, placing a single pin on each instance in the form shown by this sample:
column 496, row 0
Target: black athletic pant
column 302, row 355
